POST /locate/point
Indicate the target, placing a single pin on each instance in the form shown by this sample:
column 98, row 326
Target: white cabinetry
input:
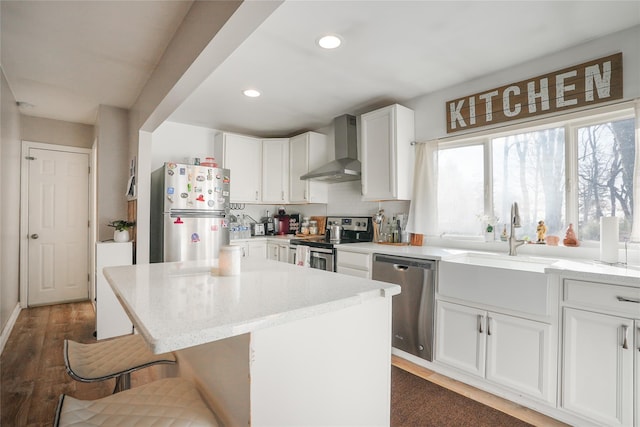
column 278, row 251
column 506, row 350
column 498, row 324
column 252, row 249
column 275, row 170
column 306, row 153
column 600, row 336
column 387, row 155
column 460, row 340
column 242, row 155
column 354, row 263
column 111, row 320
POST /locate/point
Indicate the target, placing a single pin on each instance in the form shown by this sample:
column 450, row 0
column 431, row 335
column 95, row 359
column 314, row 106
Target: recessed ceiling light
column 329, row 42
column 251, row 93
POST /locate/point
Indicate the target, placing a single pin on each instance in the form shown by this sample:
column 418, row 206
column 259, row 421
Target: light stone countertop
column 575, row 268
column 179, row 305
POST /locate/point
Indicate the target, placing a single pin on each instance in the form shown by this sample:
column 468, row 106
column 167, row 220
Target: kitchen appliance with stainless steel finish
column 322, row 249
column 346, row 167
column 413, row 317
column 189, row 204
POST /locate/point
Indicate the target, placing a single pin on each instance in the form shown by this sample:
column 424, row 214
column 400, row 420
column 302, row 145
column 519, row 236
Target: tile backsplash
column 344, row 199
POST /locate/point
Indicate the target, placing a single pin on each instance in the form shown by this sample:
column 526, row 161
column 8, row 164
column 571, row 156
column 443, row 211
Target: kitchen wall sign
column 584, row 84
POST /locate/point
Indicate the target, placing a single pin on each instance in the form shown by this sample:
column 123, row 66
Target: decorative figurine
column 504, row 237
column 541, row 231
column 570, row 238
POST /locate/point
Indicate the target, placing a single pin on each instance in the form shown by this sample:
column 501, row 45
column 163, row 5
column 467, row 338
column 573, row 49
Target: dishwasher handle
column 403, row 263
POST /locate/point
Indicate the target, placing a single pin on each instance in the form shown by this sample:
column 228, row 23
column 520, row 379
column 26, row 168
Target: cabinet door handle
column 488, row 325
column 625, row 332
column 282, row 195
column 480, row 317
column 626, row 299
column 256, row 194
column 638, row 341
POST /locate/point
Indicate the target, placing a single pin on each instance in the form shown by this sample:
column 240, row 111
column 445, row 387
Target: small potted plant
column 121, row 232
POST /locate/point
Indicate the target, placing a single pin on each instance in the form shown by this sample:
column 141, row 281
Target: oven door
column 322, row 259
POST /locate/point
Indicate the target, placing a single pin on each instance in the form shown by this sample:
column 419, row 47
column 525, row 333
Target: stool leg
column 123, row 382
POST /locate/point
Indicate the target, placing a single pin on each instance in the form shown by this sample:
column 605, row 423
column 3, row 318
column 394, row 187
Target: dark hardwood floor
column 32, row 372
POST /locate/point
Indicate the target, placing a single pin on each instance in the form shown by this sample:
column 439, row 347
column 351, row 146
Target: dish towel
column 303, row 256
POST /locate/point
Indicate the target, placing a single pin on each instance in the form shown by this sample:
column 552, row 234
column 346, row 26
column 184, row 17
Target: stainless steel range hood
column 346, row 167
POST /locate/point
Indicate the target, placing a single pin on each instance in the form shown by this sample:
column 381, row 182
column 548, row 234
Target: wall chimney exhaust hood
column 346, row 167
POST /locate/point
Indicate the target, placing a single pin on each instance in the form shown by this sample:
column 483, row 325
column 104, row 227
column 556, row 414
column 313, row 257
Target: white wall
column 10, row 206
column 37, row 129
column 430, row 109
column 112, row 143
column 176, row 142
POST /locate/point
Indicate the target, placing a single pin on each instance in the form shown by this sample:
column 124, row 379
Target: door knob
column 34, row 236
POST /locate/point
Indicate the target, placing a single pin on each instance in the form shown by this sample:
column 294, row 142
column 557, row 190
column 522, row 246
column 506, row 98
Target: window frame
column 571, row 123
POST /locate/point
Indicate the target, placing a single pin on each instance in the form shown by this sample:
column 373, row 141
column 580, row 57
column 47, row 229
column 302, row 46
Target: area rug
column 418, row 402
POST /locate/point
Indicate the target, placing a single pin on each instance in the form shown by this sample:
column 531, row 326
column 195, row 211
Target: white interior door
column 58, row 219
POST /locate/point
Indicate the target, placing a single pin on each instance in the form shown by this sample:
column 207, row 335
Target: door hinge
column 29, row 157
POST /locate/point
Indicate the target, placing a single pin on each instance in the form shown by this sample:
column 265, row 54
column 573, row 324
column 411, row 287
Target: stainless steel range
column 340, row 230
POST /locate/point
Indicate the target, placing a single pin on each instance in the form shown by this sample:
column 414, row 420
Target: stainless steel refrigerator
column 188, row 212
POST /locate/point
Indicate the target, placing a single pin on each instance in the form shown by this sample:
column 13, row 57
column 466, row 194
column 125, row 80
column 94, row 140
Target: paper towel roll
column 609, row 239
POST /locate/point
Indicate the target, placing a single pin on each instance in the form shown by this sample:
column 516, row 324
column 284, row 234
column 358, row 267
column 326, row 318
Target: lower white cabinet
column 111, row 319
column 598, row 369
column 601, row 352
column 354, row 264
column 278, row 251
column 507, row 350
column 252, row 249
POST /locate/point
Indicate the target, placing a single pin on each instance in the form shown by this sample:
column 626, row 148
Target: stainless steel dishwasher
column 413, row 309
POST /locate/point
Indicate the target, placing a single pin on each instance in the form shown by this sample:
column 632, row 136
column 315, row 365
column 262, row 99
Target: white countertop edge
column 188, row 338
column 166, row 344
column 582, row 268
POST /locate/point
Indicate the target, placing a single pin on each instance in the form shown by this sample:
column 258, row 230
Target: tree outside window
column 606, row 155
column 528, row 168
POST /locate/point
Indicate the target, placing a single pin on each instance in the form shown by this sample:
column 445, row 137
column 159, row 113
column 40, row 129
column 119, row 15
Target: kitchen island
column 278, row 344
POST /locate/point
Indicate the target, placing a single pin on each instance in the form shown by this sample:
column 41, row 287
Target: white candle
column 609, row 239
column 229, row 260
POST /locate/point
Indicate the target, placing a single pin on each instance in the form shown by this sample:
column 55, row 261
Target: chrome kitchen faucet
column 515, row 223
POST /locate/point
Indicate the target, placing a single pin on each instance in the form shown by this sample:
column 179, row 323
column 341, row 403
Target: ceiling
column 66, row 58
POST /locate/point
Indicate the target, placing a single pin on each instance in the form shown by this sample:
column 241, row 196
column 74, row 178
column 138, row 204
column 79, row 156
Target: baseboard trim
column 6, row 331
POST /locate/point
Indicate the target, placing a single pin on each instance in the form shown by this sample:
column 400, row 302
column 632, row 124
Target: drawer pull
column 625, row 299
column 625, row 330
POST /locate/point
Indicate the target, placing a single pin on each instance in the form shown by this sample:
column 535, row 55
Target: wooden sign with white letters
column 589, row 83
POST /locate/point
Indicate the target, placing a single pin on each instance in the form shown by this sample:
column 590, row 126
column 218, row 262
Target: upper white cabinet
column 242, row 155
column 275, row 170
column 387, row 155
column 306, row 153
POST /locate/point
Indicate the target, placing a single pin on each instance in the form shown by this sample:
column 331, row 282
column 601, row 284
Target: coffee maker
column 269, row 225
column 282, row 224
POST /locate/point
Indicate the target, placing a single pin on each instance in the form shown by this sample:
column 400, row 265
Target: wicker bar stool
column 171, row 402
column 115, row 358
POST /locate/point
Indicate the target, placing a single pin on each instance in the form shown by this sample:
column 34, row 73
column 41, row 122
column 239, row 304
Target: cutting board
column 322, row 223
